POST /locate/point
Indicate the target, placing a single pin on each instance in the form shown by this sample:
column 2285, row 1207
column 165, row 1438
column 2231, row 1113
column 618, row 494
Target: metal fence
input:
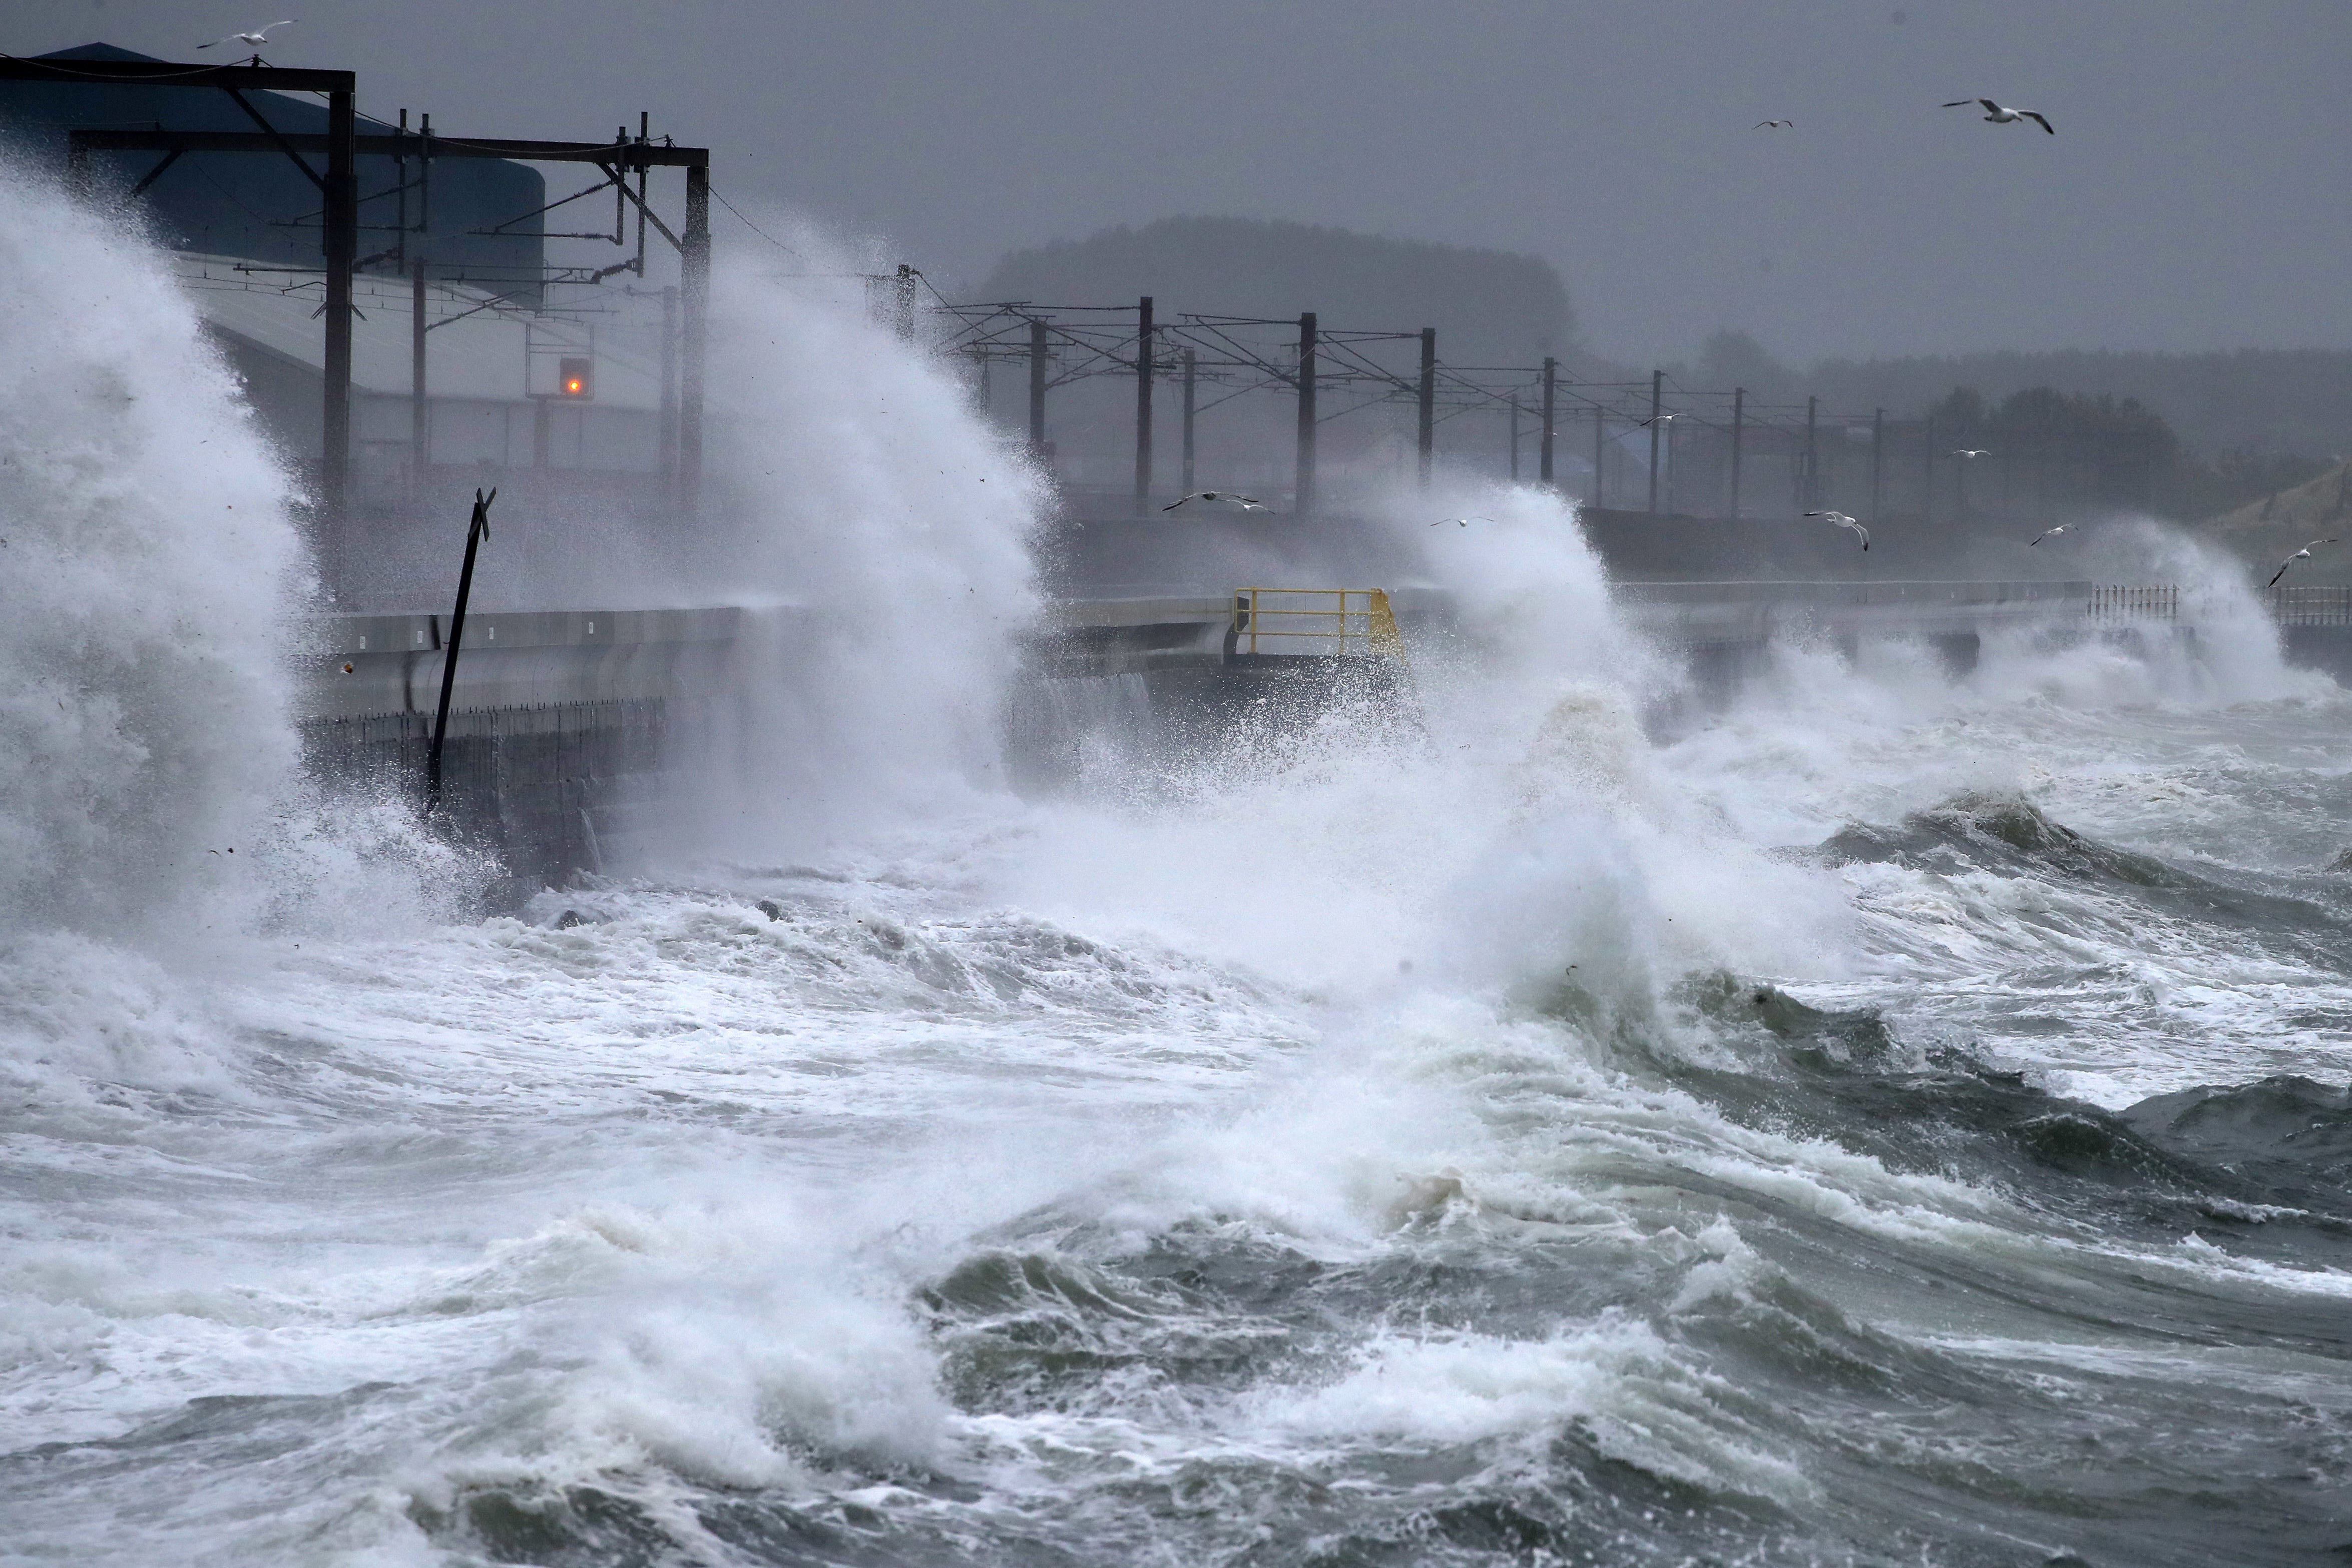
column 2312, row 604
column 2159, row 601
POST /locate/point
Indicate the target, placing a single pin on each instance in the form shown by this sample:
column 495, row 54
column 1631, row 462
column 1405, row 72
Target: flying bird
column 2047, row 534
column 2000, row 116
column 2303, row 554
column 1970, row 452
column 1776, row 125
column 1243, row 501
column 1841, row 520
column 256, row 39
column 1466, row 522
column 1656, row 419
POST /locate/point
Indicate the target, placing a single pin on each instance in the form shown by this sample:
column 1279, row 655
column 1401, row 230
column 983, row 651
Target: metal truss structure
column 338, row 216
column 1228, row 357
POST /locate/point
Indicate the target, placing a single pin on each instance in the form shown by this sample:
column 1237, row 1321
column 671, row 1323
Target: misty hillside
column 2291, row 400
column 2267, row 531
column 2244, row 400
column 1489, row 307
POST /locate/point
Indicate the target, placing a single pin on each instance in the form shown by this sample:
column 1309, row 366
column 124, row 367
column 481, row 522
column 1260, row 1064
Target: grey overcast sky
column 2194, row 197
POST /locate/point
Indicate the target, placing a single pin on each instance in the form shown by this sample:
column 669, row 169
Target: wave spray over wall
column 1886, row 1118
column 150, row 564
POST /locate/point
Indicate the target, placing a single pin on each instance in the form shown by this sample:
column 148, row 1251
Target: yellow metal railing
column 1333, row 622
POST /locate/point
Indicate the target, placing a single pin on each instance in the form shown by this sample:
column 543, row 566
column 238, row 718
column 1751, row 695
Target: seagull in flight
column 1841, row 520
column 1243, row 501
column 2303, row 554
column 1656, row 419
column 256, row 39
column 2047, row 534
column 1970, row 452
column 2000, row 116
column 1466, row 522
column 1776, row 125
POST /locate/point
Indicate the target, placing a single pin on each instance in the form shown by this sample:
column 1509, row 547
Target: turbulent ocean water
column 1887, row 1118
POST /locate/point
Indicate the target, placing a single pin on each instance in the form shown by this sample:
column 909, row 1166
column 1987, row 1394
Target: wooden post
column 1303, row 501
column 477, row 530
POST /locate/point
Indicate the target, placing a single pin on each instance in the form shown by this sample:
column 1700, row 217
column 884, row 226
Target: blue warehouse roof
column 260, row 207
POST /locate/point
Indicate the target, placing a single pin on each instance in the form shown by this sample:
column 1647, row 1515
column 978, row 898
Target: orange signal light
column 575, row 379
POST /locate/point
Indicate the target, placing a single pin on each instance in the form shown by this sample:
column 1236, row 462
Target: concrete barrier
column 366, row 666
column 558, row 721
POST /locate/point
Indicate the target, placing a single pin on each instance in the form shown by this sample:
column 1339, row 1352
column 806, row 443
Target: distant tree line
column 2095, row 444
column 2055, row 449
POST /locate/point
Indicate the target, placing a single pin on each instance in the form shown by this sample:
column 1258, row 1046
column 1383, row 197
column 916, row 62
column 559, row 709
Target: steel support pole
column 668, row 434
column 1877, row 458
column 400, row 184
column 1738, row 443
column 420, row 428
column 1657, row 391
column 1040, row 362
column 1427, row 435
column 1190, row 379
column 1928, row 477
column 1812, row 491
column 1550, row 411
column 693, row 344
column 343, row 249
column 1671, row 475
column 1143, row 407
column 905, row 303
column 1600, row 450
column 1303, row 501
